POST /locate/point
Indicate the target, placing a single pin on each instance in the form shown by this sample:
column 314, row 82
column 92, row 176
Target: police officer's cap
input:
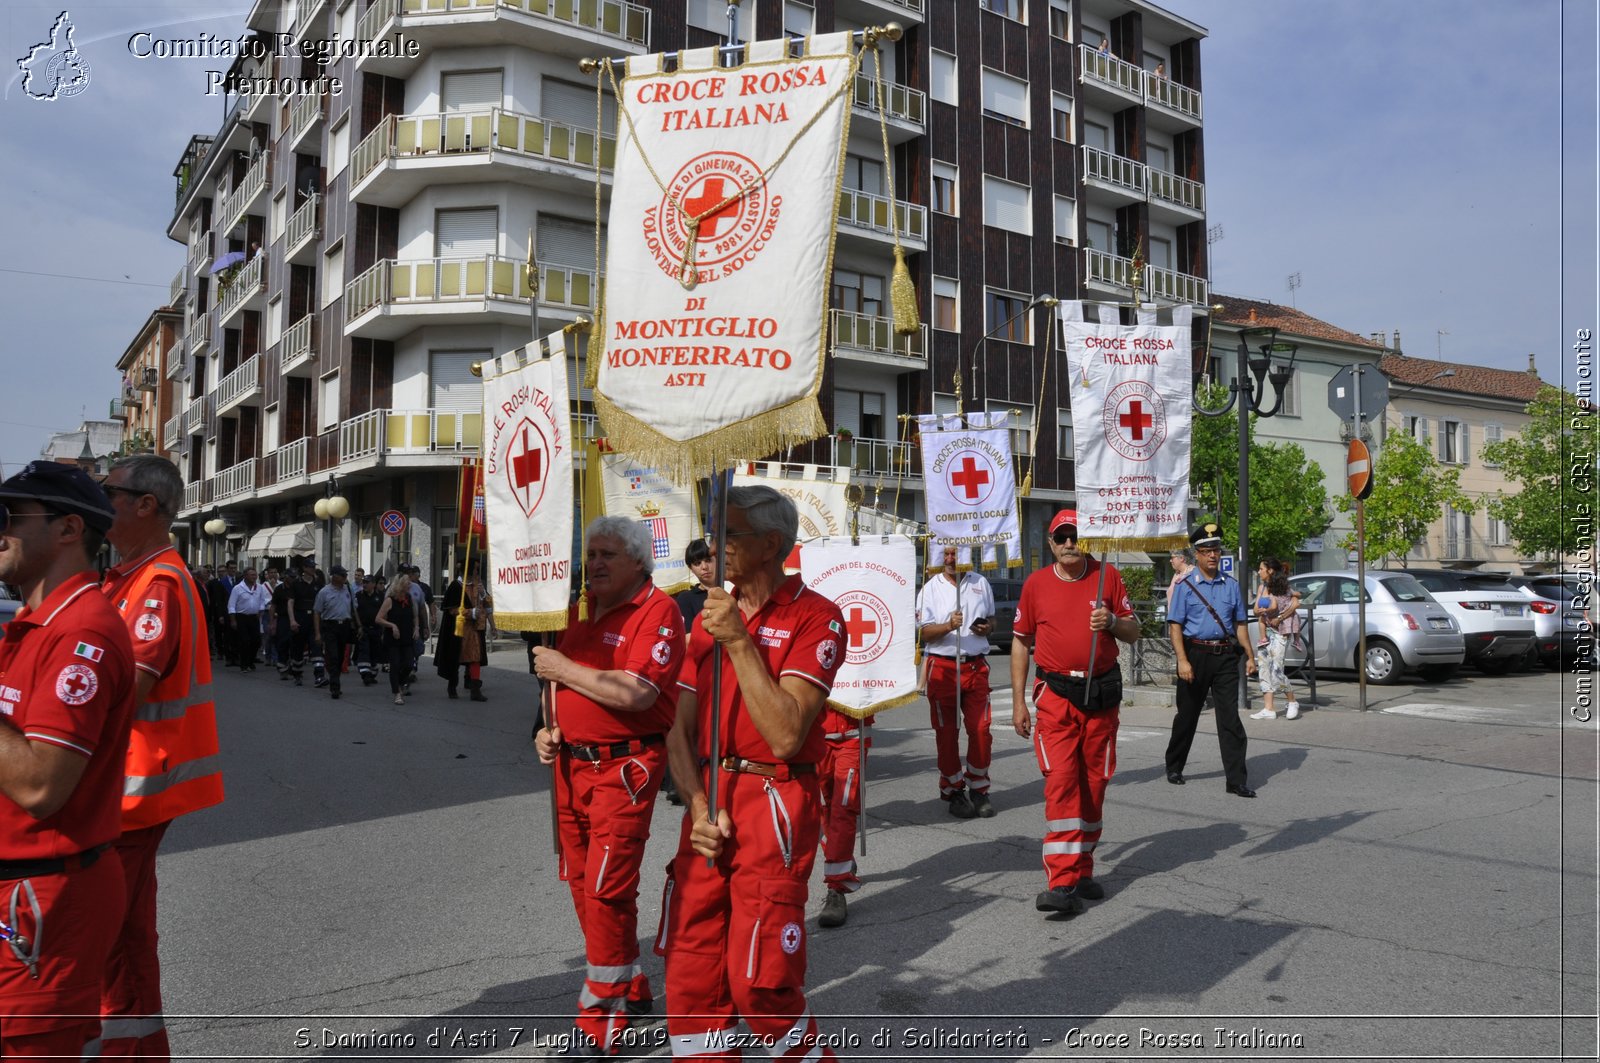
column 1207, row 534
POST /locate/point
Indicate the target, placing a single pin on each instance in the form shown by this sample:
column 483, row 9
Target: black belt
column 613, row 750
column 10, row 869
column 1046, row 675
column 1213, row 646
column 968, row 659
column 768, row 771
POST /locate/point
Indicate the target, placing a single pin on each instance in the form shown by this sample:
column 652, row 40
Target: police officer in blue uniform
column 1206, row 622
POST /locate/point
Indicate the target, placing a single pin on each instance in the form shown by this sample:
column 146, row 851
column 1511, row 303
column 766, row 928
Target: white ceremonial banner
column 718, row 251
column 527, row 480
column 874, row 584
column 970, row 476
column 818, row 495
column 1131, row 389
column 666, row 510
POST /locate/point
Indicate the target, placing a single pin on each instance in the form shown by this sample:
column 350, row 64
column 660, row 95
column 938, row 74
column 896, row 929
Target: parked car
column 1007, row 593
column 1558, row 626
column 1406, row 628
column 1494, row 616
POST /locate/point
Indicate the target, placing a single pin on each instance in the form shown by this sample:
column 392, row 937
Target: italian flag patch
column 833, row 626
column 92, row 653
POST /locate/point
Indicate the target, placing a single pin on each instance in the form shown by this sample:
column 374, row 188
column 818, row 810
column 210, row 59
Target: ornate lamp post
column 329, row 508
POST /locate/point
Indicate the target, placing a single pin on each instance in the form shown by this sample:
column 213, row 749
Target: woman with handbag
column 470, row 602
column 1276, row 612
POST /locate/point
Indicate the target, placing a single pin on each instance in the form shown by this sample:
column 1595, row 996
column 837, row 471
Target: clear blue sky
column 1406, row 159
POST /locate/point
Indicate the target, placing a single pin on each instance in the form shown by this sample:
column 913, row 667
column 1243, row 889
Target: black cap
column 62, row 489
column 1207, row 534
column 337, row 570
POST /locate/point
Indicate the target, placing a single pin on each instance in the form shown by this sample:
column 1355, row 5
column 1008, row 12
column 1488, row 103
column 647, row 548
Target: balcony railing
column 868, row 211
column 868, row 332
column 1179, row 191
column 299, row 344
column 409, row 432
column 254, row 180
column 291, row 461
column 439, row 280
column 304, row 113
column 1103, row 268
column 1109, row 70
column 614, row 18
column 305, row 10
column 172, row 432
column 1126, row 173
column 180, row 284
column 117, row 408
column 199, row 332
column 477, row 132
column 888, row 456
column 904, row 102
column 1167, row 93
column 194, row 415
column 240, row 384
column 194, row 495
column 303, row 224
column 176, row 360
column 199, row 250
column 238, row 480
column 249, row 280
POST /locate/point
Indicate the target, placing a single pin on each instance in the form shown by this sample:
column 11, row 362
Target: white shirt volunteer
column 937, row 601
column 249, row 600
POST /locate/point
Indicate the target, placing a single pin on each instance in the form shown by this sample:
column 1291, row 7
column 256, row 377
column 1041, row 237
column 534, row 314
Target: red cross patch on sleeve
column 76, row 684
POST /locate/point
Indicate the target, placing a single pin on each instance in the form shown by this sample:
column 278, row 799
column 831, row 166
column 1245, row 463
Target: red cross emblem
column 1136, row 420
column 859, row 625
column 711, row 193
column 148, row 627
column 970, row 479
column 76, row 684
column 868, row 625
column 525, row 465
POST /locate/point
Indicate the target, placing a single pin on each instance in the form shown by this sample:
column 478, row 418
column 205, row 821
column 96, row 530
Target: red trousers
column 604, row 810
column 841, row 812
column 131, row 1023
column 974, row 716
column 54, row 1015
column 1077, row 753
column 734, row 933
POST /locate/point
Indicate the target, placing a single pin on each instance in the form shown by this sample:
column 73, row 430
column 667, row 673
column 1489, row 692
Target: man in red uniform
column 841, row 810
column 734, row 932
column 611, row 690
column 66, row 701
column 955, row 613
column 172, row 765
column 1076, row 737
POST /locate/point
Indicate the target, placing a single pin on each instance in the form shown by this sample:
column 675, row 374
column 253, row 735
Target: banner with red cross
column 1131, row 387
column 719, row 245
column 970, row 476
column 873, row 582
column 527, row 486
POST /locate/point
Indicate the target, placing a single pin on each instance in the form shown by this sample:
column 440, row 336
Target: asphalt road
column 1417, row 880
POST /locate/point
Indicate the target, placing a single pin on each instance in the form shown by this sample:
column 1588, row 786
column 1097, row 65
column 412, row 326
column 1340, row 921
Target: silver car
column 1558, row 625
column 1406, row 628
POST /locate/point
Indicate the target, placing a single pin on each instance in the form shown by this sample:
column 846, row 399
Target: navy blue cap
column 62, row 489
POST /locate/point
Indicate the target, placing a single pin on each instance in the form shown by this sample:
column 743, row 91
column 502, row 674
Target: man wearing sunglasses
column 954, row 613
column 1206, row 623
column 172, row 764
column 1067, row 614
column 66, row 702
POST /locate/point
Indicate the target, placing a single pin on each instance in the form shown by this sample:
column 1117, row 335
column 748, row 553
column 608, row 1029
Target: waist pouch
column 1102, row 692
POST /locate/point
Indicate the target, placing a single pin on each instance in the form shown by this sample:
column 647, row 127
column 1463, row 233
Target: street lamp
column 1246, row 395
column 1036, row 301
column 330, row 507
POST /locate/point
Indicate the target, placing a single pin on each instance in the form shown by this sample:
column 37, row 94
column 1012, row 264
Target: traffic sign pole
column 1361, row 558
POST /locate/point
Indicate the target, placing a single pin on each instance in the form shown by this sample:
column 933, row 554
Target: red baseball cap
column 1063, row 517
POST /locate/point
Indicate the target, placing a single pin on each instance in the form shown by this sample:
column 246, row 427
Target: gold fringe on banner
column 1151, row 544
column 552, row 621
column 873, row 710
column 683, row 462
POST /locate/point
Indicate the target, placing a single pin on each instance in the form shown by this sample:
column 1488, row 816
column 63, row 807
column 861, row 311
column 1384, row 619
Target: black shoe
column 322, row 681
column 981, row 804
column 642, row 1013
column 1090, row 890
column 834, row 912
column 1240, row 791
column 450, row 691
column 961, row 806
column 477, row 695
column 1063, row 900
column 1175, row 778
column 284, row 676
column 297, row 682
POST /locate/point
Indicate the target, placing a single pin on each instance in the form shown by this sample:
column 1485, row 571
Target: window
column 946, row 296
column 1457, row 533
column 1499, row 534
column 1099, row 235
column 467, row 233
column 279, row 213
column 1006, row 206
column 942, row 78
column 1160, row 252
column 1453, row 442
column 271, row 426
column 1415, row 427
column 798, row 18
column 1011, row 9
column 1065, row 445
column 451, row 385
column 1060, row 20
column 1005, row 98
column 1019, row 423
column 944, row 188
column 1492, row 433
column 1291, row 397
column 328, row 402
column 573, row 105
column 1159, row 157
column 1096, row 135
column 333, row 275
column 274, row 320
column 566, row 242
column 858, row 293
column 339, row 141
column 1066, row 220
column 863, row 174
column 861, row 412
column 1060, row 116
column 707, row 15
column 476, row 90
column 1004, row 319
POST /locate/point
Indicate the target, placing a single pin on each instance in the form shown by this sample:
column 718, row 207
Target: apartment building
column 350, row 256
column 148, row 392
column 1456, row 409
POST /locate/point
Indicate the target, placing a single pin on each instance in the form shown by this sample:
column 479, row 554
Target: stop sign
column 1358, row 467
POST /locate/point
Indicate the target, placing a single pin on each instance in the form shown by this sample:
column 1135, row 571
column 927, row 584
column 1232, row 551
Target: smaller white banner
column 818, row 495
column 528, row 487
column 666, row 510
column 970, row 477
column 873, row 582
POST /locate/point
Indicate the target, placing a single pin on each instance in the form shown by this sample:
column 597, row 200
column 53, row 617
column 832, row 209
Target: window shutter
column 564, row 242
column 573, row 105
column 1465, row 453
column 477, row 90
column 465, row 233
column 451, row 385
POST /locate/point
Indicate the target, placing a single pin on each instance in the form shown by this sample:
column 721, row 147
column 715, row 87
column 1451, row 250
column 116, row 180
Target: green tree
column 1409, row 492
column 1288, row 501
column 1554, row 460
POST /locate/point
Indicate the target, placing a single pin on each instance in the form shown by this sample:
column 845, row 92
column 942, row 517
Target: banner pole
column 720, row 483
column 1094, row 643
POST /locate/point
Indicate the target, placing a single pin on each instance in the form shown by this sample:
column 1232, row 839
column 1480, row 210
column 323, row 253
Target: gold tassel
column 583, row 608
column 597, row 346
column 1027, row 484
column 903, row 297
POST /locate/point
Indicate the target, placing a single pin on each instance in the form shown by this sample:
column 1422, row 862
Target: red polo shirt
column 1055, row 611
column 643, row 637
column 797, row 632
column 67, row 678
